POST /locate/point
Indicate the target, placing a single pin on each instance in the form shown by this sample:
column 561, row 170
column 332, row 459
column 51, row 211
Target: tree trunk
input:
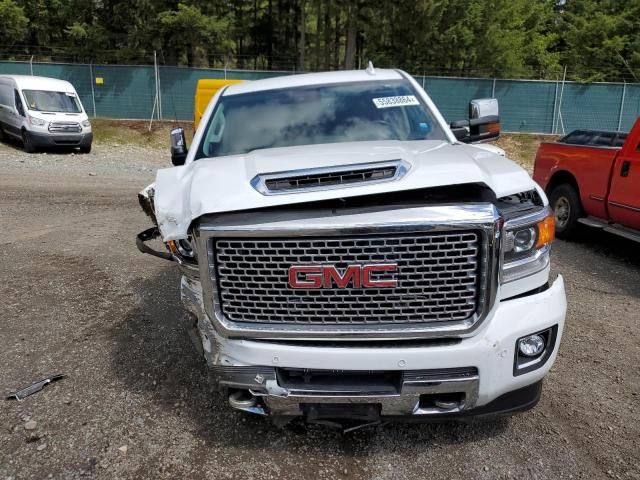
column 360, row 50
column 171, row 58
column 270, row 36
column 336, row 43
column 327, row 36
column 239, row 36
column 350, row 47
column 255, row 34
column 190, row 51
column 285, row 34
column 303, row 36
column 318, row 44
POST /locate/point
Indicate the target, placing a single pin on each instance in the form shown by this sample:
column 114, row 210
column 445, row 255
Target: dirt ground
column 77, row 298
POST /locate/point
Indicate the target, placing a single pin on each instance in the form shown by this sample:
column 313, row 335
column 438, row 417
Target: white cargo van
column 43, row 112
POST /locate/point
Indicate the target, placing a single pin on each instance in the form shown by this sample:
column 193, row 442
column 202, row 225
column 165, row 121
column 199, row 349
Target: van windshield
column 318, row 114
column 48, row 101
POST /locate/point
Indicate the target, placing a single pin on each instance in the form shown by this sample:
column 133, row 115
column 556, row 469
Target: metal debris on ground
column 34, row 387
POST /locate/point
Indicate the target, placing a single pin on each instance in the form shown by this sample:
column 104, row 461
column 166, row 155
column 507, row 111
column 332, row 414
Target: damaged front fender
column 145, row 198
column 150, row 234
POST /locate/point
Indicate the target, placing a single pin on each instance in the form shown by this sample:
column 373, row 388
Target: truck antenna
column 370, row 70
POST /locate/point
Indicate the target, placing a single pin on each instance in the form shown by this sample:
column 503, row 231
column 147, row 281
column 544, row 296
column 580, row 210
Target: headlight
column 524, row 240
column 37, row 121
column 183, row 250
column 86, row 123
column 527, row 242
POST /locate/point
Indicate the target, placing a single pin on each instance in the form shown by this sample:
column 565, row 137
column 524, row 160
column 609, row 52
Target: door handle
column 624, row 171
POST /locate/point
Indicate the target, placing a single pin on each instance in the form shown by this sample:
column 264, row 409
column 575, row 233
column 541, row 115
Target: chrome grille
column 330, row 178
column 439, row 279
column 65, row 127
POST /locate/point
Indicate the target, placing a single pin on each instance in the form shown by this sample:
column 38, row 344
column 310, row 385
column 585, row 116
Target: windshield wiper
column 262, row 147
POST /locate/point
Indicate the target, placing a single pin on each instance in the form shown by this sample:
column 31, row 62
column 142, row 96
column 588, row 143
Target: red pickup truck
column 593, row 178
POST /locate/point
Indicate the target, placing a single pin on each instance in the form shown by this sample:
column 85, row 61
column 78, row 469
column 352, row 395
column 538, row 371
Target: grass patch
column 136, row 132
column 522, row 147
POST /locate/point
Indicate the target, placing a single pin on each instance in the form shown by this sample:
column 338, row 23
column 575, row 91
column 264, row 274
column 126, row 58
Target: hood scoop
column 326, row 178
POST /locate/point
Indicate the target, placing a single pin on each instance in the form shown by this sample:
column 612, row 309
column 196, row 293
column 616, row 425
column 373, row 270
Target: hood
column 59, row 116
column 491, row 148
column 223, row 184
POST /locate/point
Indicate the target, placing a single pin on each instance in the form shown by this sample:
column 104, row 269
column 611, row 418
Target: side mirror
column 483, row 107
column 483, row 124
column 179, row 148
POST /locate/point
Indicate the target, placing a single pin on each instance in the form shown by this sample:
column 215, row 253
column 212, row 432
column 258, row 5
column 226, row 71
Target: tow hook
column 245, row 400
column 147, row 235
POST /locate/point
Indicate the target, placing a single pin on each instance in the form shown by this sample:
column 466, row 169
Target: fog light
column 533, row 351
column 531, row 346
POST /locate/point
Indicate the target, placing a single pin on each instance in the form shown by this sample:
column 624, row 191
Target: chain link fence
column 534, row 106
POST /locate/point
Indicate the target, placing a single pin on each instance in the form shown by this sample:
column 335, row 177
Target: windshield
column 355, row 112
column 48, row 101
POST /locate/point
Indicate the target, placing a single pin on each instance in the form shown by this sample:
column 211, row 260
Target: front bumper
column 43, row 140
column 490, row 351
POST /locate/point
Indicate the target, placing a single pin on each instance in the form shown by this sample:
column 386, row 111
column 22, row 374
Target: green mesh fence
column 452, row 95
column 525, row 105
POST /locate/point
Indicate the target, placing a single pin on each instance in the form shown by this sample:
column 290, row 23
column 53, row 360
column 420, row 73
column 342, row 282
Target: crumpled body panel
column 223, row 184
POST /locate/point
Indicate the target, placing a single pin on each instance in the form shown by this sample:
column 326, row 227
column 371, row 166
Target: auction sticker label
column 400, row 101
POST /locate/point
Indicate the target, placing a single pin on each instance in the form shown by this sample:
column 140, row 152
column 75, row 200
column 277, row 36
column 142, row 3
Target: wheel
column 27, row 143
column 567, row 209
column 85, row 149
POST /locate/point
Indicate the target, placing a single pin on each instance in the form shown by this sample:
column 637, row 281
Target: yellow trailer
column 205, row 90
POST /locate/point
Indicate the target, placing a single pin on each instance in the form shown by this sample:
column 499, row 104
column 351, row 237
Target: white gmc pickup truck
column 347, row 256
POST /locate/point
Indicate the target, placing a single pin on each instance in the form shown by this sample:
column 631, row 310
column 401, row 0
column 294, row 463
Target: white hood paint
column 491, row 148
column 222, row 184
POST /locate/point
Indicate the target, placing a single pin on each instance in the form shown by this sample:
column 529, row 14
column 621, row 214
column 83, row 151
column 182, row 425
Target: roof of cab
column 40, row 83
column 324, row 78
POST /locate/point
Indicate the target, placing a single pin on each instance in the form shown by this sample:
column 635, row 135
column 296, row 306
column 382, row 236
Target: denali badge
column 354, row 276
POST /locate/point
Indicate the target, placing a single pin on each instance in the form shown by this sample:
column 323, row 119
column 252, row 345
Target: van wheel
column 86, row 149
column 27, row 143
column 567, row 209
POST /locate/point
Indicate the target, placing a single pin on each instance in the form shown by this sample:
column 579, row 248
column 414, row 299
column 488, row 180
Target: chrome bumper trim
column 263, row 384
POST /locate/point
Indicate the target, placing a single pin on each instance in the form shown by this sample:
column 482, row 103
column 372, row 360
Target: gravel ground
column 76, row 297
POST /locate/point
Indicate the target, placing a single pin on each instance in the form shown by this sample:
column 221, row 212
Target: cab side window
column 19, row 106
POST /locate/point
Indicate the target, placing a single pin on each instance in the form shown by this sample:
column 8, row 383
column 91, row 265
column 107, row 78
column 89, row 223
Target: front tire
column 27, row 142
column 567, row 209
column 85, row 149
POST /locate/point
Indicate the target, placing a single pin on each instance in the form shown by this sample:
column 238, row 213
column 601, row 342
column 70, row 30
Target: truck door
column 624, row 194
column 15, row 115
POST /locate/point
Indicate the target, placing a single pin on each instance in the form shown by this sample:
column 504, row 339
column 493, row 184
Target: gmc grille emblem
column 353, row 276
